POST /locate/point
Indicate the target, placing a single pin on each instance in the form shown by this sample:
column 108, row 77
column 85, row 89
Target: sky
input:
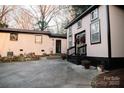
column 27, row 3
column 60, row 17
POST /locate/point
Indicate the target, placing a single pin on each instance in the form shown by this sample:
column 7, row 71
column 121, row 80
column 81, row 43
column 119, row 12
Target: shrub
column 44, row 54
column 21, row 58
column 63, row 56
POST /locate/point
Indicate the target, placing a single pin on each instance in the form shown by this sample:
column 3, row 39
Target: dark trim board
column 26, row 31
column 74, row 59
column 109, row 64
column 109, row 32
column 96, row 60
column 113, row 63
column 80, row 32
column 60, row 36
column 36, row 32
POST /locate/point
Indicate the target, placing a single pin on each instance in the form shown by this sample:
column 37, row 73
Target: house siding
column 96, row 50
column 27, row 43
column 101, row 49
column 117, row 31
column 63, row 45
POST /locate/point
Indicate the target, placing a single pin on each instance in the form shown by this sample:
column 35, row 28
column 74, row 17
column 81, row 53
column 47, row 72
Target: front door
column 80, row 41
column 58, row 46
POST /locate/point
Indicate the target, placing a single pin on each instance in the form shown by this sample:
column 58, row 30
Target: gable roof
column 81, row 15
column 13, row 30
column 9, row 30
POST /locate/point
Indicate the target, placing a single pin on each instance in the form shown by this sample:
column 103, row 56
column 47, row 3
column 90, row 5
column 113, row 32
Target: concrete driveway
column 45, row 74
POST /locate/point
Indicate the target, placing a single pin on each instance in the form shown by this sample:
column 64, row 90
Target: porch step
column 54, row 57
column 84, row 61
column 74, row 59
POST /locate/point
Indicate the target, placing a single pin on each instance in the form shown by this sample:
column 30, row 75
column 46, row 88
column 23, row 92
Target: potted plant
column 63, row 56
column 86, row 64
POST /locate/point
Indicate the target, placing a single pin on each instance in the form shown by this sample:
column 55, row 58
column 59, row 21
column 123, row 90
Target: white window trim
column 97, row 41
column 13, row 36
column 70, row 31
column 38, row 40
column 80, row 24
column 70, row 36
column 92, row 19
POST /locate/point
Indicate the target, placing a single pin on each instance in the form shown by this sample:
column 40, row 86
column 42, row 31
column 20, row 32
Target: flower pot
column 63, row 56
column 87, row 66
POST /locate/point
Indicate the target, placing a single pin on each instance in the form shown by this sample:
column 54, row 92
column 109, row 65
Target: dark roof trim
column 13, row 30
column 81, row 15
column 8, row 30
column 58, row 36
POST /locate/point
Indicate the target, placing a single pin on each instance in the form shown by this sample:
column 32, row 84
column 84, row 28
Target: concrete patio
column 55, row 73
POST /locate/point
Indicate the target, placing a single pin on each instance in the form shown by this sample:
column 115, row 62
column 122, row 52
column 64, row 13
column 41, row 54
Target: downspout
column 108, row 34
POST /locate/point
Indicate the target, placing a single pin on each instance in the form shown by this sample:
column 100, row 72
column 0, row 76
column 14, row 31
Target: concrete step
column 53, row 57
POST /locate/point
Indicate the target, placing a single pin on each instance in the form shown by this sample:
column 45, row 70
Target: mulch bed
column 111, row 79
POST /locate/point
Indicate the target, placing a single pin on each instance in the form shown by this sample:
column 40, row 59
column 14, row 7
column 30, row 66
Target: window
column 95, row 32
column 94, row 14
column 70, row 41
column 70, row 37
column 79, row 24
column 13, row 36
column 80, row 38
column 70, row 31
column 38, row 39
column 10, row 53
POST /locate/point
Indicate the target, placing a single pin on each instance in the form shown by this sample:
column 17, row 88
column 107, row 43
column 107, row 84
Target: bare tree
column 4, row 11
column 34, row 16
column 61, row 19
column 23, row 19
column 43, row 14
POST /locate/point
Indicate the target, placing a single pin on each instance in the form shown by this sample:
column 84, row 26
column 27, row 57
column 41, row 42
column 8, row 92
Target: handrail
column 83, row 51
column 83, row 46
column 71, row 50
column 71, row 47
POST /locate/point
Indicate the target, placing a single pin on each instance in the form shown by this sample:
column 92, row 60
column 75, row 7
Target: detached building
column 19, row 41
column 97, row 35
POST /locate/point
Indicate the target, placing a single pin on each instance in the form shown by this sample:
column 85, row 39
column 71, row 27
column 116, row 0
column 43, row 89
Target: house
column 21, row 41
column 97, row 35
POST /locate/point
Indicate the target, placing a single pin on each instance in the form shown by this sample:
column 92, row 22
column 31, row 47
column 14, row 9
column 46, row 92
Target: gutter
column 109, row 33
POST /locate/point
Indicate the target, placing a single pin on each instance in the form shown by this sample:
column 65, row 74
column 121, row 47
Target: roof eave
column 13, row 30
column 58, row 36
column 81, row 15
column 9, row 30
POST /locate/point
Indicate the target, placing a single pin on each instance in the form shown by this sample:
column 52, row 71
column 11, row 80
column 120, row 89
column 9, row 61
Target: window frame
column 79, row 26
column 92, row 19
column 38, row 42
column 98, row 41
column 13, row 38
column 70, row 31
column 70, row 36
